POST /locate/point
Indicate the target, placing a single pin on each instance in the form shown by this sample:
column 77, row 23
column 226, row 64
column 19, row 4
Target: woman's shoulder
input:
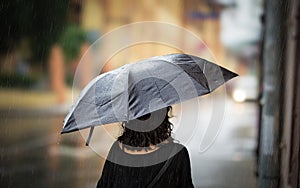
column 176, row 145
column 180, row 148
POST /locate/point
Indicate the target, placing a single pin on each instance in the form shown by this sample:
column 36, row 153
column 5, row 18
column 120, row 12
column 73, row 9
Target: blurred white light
column 239, row 95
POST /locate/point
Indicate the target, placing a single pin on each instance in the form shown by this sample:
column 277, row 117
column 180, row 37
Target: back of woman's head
column 153, row 134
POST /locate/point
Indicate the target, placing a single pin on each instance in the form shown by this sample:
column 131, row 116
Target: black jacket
column 126, row 170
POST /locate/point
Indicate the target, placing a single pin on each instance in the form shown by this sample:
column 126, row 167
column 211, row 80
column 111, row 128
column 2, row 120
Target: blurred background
column 43, row 43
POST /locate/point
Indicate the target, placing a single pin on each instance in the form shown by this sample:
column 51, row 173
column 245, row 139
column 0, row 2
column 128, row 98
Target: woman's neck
column 149, row 149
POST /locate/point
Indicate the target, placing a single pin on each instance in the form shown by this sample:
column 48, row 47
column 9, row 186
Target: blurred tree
column 40, row 21
column 71, row 41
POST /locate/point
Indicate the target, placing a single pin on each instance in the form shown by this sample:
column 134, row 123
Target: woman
column 145, row 155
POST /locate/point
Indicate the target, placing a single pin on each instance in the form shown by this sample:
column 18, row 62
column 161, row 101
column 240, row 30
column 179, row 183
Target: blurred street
column 243, row 134
column 230, row 161
column 34, row 154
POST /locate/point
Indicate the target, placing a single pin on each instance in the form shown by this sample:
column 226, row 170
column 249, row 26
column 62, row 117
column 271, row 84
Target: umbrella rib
column 170, row 81
column 183, row 71
column 158, row 91
column 204, row 72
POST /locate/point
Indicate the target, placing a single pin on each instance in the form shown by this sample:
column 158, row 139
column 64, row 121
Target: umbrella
column 139, row 88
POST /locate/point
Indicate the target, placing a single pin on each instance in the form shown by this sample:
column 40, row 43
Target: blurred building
column 200, row 17
column 279, row 127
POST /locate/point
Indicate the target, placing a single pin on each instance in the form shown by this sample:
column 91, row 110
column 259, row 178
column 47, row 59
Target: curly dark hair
column 135, row 140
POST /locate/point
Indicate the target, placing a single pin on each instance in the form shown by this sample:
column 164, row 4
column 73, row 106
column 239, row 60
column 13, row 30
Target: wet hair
column 135, row 140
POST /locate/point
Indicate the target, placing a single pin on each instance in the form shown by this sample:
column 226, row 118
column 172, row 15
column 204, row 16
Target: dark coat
column 127, row 170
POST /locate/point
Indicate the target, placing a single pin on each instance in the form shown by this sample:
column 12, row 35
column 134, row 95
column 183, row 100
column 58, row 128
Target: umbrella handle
column 89, row 137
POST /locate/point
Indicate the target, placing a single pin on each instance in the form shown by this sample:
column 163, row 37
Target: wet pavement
column 34, row 154
column 231, row 159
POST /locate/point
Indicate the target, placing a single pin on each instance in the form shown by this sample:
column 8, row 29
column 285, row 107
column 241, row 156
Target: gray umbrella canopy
column 146, row 86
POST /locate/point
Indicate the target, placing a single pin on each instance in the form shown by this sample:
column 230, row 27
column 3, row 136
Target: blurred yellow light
column 239, row 95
